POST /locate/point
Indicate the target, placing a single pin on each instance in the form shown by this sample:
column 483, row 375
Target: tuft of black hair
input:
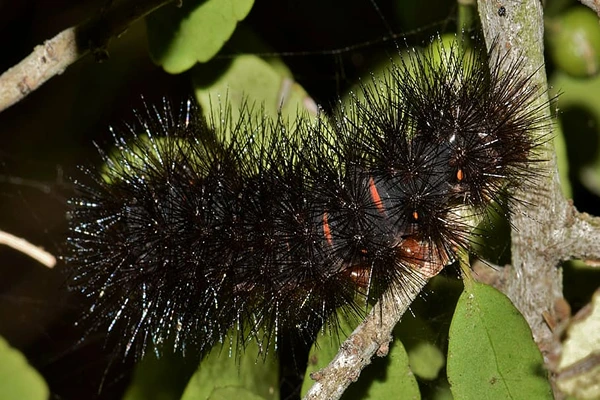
column 194, row 228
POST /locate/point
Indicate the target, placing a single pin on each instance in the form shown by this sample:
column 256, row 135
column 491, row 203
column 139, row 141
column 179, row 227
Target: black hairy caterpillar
column 186, row 234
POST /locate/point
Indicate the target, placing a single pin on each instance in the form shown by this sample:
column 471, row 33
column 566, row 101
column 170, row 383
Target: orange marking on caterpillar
column 327, row 230
column 360, row 275
column 421, row 255
column 375, row 196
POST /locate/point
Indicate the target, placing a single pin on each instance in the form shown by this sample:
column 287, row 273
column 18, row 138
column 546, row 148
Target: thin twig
column 53, row 56
column 22, row 245
column 534, row 282
column 356, row 352
column 582, row 239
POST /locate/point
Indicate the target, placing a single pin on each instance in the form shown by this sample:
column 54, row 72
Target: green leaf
column 250, row 372
column 426, row 360
column 441, row 391
column 162, row 378
column 579, row 139
column 18, row 379
column 234, row 393
column 249, row 75
column 491, row 353
column 178, row 38
column 385, row 378
column 562, row 158
column 573, row 40
column 249, row 83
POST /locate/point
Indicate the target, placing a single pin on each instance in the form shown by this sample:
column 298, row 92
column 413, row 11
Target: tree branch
column 22, row 245
column 547, row 229
column 534, row 283
column 581, row 238
column 53, row 56
column 373, row 334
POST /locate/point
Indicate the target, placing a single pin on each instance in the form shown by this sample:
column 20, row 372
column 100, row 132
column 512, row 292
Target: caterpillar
column 197, row 227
